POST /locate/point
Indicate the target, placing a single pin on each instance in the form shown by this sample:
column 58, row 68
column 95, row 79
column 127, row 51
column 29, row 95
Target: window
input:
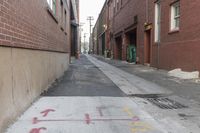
column 65, row 20
column 61, row 11
column 175, row 16
column 49, row 2
column 114, row 6
column 52, row 5
column 157, row 21
column 110, row 12
column 117, row 5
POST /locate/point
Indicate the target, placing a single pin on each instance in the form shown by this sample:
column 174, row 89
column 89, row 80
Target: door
column 148, row 47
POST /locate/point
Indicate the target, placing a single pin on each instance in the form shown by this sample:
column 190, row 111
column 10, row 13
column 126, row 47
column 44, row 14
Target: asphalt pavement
column 83, row 78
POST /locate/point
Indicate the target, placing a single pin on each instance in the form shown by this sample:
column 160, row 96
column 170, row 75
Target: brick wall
column 124, row 19
column 175, row 50
column 28, row 24
column 179, row 49
column 25, row 73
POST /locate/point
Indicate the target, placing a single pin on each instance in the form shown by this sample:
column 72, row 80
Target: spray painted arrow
column 46, row 112
column 37, row 130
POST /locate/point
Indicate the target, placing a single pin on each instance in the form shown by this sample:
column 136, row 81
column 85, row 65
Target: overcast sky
column 89, row 8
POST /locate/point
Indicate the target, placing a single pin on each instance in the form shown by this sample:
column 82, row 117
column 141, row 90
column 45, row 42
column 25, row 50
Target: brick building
column 177, row 43
column 95, row 39
column 75, row 42
column 99, row 32
column 34, row 51
column 164, row 32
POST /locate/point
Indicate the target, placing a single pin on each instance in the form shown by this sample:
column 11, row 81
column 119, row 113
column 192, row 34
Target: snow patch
column 184, row 75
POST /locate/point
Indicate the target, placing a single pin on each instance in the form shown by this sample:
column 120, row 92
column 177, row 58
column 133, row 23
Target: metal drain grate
column 166, row 103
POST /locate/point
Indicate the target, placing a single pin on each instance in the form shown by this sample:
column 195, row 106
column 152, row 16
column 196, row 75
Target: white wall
column 24, row 75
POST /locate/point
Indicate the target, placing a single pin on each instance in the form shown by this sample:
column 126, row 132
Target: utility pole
column 90, row 19
column 84, row 47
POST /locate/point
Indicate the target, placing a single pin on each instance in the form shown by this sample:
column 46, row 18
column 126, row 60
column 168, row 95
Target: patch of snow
column 183, row 75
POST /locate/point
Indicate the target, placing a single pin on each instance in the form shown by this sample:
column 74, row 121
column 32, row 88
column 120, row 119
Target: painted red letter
column 37, row 130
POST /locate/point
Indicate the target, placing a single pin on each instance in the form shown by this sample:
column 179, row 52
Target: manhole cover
column 166, row 103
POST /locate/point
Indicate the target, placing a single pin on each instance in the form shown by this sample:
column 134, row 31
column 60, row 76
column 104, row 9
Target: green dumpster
column 131, row 53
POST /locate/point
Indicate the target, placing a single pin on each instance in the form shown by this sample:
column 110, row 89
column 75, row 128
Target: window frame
column 157, row 32
column 65, row 21
column 114, row 6
column 52, row 5
column 175, row 18
column 117, row 4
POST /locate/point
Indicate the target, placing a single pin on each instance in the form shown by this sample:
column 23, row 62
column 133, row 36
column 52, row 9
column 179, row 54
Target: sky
column 89, row 8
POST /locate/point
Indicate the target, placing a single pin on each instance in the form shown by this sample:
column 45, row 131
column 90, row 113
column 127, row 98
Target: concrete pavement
column 128, row 83
column 86, row 114
column 96, row 97
column 188, row 89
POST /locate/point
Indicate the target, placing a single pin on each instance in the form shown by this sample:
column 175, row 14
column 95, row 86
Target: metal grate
column 166, row 103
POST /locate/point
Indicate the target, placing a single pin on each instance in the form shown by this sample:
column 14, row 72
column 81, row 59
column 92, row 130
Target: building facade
column 74, row 16
column 34, row 51
column 175, row 40
column 100, row 33
column 95, row 39
column 161, row 33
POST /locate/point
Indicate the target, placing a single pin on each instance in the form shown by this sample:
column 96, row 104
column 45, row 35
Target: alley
column 99, row 66
column 84, row 79
column 96, row 97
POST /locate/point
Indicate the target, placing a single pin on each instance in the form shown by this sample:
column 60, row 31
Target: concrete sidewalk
column 86, row 115
column 175, row 113
column 96, row 97
column 188, row 89
column 128, row 83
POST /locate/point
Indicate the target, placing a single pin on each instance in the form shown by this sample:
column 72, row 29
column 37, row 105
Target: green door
column 131, row 53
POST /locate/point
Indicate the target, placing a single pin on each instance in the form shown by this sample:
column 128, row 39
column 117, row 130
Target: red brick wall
column 180, row 49
column 124, row 18
column 28, row 24
column 176, row 50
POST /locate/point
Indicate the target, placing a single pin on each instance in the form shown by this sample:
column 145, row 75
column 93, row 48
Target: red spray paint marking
column 135, row 119
column 87, row 119
column 37, row 130
column 46, row 112
column 36, row 120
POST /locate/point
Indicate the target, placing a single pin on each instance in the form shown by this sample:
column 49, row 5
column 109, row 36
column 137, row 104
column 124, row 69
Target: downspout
column 147, row 22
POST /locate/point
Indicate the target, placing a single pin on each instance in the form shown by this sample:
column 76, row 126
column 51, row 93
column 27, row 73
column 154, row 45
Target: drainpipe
column 146, row 21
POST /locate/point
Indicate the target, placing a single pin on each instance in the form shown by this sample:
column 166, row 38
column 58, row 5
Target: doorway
column 131, row 43
column 103, row 43
column 118, row 48
column 147, row 48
